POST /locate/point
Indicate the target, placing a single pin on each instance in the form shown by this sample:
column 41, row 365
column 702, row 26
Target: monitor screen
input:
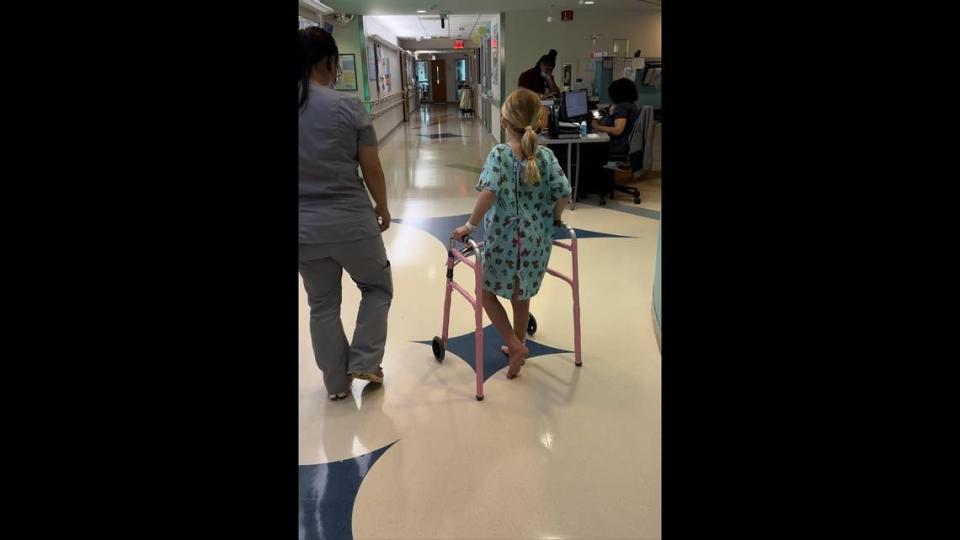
column 575, row 103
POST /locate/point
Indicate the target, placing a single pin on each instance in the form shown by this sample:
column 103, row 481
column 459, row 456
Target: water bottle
column 583, row 128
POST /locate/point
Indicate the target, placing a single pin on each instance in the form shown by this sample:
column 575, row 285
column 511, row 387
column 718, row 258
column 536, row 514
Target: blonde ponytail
column 529, row 146
column 521, row 110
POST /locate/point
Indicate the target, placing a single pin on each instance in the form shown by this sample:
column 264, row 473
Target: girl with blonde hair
column 523, row 193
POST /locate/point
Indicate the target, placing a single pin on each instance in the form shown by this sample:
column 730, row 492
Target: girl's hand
column 460, row 232
column 595, row 124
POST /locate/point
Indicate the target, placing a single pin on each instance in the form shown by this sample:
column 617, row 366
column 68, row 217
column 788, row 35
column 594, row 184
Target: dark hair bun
column 552, row 54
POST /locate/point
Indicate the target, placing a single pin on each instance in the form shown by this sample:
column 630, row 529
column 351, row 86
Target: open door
column 438, row 80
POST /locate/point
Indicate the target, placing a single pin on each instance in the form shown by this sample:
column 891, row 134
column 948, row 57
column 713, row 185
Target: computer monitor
column 575, row 104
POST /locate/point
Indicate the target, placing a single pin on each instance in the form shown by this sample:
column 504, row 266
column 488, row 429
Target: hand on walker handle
column 461, row 232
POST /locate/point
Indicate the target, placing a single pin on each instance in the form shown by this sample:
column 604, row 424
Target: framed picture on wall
column 348, row 73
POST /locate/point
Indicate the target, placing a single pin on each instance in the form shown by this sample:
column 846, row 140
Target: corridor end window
column 422, row 71
column 461, row 70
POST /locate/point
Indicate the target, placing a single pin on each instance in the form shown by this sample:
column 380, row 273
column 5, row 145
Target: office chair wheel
column 603, row 202
column 532, row 325
column 438, row 351
column 636, row 200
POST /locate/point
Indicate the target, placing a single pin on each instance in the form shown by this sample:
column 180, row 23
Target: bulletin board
column 384, row 82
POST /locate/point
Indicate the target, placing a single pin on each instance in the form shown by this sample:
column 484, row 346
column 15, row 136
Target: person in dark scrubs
column 539, row 78
column 618, row 125
column 623, row 114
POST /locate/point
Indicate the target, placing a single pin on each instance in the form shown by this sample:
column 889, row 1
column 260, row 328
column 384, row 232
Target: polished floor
column 560, row 452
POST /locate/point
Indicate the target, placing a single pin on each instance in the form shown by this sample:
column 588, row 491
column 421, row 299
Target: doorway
column 423, row 80
column 438, row 80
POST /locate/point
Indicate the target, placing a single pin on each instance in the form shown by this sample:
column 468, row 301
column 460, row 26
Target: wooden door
column 438, row 80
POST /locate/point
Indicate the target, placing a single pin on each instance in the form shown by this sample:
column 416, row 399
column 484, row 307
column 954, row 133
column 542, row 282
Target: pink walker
column 455, row 256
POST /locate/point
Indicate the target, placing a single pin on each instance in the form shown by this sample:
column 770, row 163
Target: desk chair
column 634, row 161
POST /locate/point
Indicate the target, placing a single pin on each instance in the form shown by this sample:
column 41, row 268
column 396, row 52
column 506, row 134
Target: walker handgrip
column 471, row 245
column 466, row 240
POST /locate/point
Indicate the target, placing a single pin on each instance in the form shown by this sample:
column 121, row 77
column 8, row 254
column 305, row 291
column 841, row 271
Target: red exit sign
column 566, row 15
column 458, row 44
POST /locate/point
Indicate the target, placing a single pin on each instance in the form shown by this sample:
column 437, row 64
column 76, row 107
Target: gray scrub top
column 334, row 204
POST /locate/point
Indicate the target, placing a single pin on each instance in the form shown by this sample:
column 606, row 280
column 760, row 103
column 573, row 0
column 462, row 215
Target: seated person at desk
column 623, row 114
column 539, row 78
column 617, row 124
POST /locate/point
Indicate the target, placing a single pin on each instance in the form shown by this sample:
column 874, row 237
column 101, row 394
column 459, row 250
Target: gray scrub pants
column 321, row 266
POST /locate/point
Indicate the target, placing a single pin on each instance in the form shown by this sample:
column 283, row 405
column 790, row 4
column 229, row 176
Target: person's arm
column 559, row 208
column 376, row 184
column 560, row 189
column 552, row 86
column 619, row 124
column 484, row 202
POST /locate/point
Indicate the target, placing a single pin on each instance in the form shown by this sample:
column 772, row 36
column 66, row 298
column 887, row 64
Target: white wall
column 373, row 26
column 348, row 42
column 495, row 128
column 386, row 123
column 530, row 36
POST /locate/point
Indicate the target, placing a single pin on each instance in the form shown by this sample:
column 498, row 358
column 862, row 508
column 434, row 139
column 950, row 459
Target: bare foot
column 517, row 358
column 506, row 351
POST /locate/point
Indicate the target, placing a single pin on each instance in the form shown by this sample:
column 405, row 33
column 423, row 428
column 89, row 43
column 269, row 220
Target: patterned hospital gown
column 519, row 228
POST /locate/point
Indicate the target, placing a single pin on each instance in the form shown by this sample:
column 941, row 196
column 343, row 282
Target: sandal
column 373, row 376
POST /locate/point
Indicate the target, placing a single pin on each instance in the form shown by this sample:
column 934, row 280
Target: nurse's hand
column 383, row 216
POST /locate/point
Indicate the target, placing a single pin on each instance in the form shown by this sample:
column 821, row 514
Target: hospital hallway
column 561, row 451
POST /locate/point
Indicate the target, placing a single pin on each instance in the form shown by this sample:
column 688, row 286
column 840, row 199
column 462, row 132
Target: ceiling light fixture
column 589, row 2
column 421, row 11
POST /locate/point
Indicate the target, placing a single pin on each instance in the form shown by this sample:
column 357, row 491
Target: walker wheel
column 532, row 325
column 438, row 350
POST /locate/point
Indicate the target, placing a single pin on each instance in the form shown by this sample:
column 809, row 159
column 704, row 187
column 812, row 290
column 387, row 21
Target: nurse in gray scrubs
column 339, row 227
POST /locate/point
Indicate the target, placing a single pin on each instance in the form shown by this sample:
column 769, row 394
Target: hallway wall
column 530, row 36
